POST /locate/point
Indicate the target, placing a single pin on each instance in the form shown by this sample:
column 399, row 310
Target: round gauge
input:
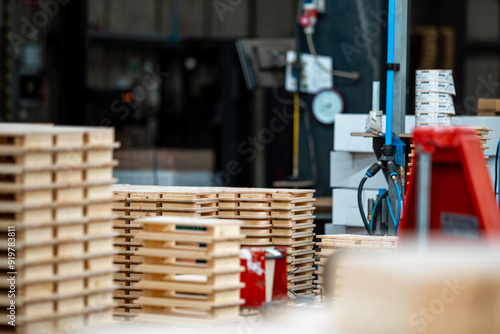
column 326, row 105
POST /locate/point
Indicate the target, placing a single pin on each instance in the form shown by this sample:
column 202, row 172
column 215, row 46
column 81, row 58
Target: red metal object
column 308, row 17
column 254, row 277
column 254, row 262
column 460, row 184
column 280, row 286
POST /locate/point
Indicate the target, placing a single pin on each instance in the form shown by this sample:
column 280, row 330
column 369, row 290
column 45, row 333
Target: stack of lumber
column 447, row 47
column 271, row 217
column 293, row 228
column 425, row 46
column 56, row 223
column 253, row 207
column 330, row 244
column 134, row 202
column 279, row 218
column 197, row 281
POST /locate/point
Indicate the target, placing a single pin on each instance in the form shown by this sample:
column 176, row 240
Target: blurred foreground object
column 332, row 244
column 454, row 291
column 450, row 195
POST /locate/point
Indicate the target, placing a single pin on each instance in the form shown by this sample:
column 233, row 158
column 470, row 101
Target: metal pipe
column 423, row 199
column 376, row 96
column 390, row 72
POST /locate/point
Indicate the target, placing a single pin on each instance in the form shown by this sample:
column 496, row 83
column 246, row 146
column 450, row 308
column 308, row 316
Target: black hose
column 360, row 205
column 377, row 210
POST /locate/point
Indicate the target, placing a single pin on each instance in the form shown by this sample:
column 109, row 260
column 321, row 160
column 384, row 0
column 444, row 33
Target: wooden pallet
column 259, row 209
column 293, row 229
column 136, row 202
column 291, row 214
column 329, row 244
column 55, row 190
column 200, row 281
column 254, row 207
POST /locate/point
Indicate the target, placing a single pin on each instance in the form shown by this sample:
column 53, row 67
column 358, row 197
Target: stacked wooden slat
column 293, row 228
column 483, row 132
column 197, row 281
column 288, row 212
column 332, row 243
column 134, row 202
column 277, row 217
column 55, row 186
column 253, row 207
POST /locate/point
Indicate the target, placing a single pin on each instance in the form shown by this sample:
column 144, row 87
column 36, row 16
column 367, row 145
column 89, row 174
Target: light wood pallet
column 253, row 207
column 332, row 243
column 135, row 202
column 256, row 208
column 259, row 207
column 55, row 190
column 277, row 217
column 293, row 228
column 200, row 281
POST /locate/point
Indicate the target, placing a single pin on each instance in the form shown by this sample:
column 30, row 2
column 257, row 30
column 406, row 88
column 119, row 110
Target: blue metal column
column 390, row 72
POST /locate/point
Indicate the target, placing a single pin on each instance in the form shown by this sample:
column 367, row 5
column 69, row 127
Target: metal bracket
column 393, row 67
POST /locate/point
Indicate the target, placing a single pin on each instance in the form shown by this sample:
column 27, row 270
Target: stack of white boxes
column 434, row 98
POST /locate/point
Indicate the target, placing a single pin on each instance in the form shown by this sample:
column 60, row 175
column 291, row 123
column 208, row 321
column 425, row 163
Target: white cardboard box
column 347, row 170
column 345, row 206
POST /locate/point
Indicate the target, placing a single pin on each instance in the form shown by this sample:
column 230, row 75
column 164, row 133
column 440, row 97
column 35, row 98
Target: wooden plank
column 180, row 302
column 193, row 222
column 184, row 252
column 186, row 287
column 186, row 269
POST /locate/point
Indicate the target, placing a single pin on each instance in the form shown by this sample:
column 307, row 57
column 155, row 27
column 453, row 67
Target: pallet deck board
column 56, row 190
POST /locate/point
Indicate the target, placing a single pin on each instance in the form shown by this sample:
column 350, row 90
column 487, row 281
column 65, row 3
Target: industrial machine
column 391, row 161
column 463, row 201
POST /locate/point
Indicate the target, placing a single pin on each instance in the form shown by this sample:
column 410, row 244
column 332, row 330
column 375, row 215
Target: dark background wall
column 354, row 34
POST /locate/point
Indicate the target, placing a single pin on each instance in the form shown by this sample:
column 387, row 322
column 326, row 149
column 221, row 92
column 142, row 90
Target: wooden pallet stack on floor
column 280, row 218
column 56, row 202
column 293, row 228
column 253, row 207
column 199, row 281
column 134, row 202
column 333, row 243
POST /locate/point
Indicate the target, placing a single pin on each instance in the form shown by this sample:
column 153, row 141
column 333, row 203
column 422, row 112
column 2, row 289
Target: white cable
column 343, row 74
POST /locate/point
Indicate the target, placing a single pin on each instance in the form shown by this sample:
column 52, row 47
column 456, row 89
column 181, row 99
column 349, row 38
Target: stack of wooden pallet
column 293, row 228
column 277, row 217
column 332, row 243
column 483, row 132
column 56, row 227
column 197, row 281
column 133, row 202
column 253, row 207
column 270, row 217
